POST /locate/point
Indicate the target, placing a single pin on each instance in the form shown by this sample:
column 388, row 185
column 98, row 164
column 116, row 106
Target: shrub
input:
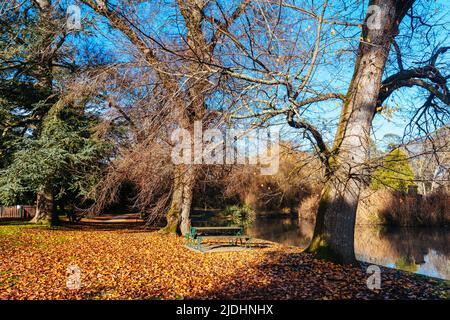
column 396, row 208
column 388, row 207
column 395, row 172
column 239, row 215
column 297, row 177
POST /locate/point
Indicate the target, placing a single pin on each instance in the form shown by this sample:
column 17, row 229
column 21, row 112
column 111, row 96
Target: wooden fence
column 17, row 212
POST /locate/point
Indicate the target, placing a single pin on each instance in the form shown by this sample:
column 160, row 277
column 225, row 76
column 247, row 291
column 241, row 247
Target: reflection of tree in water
column 283, row 231
column 422, row 250
column 407, row 263
column 407, row 248
column 439, row 262
column 418, row 241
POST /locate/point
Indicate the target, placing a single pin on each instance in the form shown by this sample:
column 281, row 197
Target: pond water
column 421, row 250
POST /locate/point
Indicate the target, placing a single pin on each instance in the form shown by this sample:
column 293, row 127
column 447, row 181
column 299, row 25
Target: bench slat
column 220, row 236
column 217, row 228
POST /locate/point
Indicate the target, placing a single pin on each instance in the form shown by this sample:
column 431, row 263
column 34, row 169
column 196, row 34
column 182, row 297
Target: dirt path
column 115, row 218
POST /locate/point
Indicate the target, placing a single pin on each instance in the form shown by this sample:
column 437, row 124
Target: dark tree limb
column 427, row 77
column 324, row 153
column 228, row 22
column 398, row 54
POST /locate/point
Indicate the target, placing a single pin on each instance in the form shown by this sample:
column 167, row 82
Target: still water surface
column 421, row 250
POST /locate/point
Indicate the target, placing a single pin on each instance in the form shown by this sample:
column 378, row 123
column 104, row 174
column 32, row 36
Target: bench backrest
column 210, row 231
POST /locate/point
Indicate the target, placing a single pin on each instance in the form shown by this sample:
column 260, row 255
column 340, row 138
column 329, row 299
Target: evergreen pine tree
column 395, row 172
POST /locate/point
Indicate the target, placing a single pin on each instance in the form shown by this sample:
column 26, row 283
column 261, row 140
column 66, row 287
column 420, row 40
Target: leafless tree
column 180, row 67
column 271, row 59
column 290, row 81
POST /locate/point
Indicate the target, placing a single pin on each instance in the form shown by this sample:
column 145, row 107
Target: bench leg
column 187, row 240
column 199, row 243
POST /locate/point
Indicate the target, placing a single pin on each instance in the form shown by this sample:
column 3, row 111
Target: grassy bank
column 120, row 262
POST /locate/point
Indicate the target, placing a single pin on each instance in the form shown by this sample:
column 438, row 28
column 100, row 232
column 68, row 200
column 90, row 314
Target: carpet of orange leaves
column 131, row 263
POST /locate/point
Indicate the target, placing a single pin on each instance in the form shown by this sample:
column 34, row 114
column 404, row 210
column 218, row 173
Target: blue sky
column 381, row 126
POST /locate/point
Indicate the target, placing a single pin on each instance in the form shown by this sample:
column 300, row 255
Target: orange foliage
column 131, row 263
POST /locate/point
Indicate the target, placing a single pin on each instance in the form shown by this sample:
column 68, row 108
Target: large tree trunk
column 45, row 207
column 45, row 202
column 188, row 192
column 173, row 216
column 178, row 216
column 194, row 110
column 333, row 237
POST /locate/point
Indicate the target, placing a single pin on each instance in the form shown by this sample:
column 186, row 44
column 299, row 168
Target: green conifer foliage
column 395, row 172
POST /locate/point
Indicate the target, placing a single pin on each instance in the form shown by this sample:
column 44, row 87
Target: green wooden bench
column 197, row 234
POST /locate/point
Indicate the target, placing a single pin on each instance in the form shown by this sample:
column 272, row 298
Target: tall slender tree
column 186, row 86
column 45, row 135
